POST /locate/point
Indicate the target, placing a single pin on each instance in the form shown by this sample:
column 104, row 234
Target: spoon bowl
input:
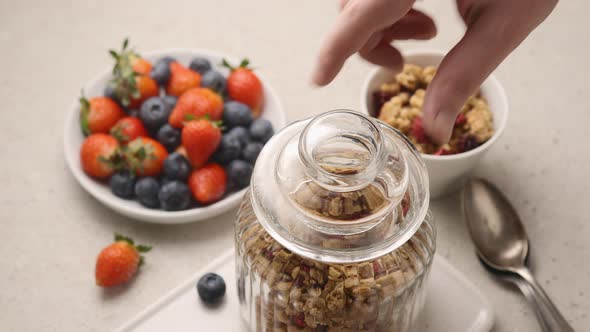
column 496, row 229
column 502, row 245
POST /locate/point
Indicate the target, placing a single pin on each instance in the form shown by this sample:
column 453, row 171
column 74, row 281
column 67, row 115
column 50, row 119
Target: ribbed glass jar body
column 283, row 291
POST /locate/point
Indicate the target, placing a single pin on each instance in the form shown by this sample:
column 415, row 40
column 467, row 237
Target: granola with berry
column 400, row 105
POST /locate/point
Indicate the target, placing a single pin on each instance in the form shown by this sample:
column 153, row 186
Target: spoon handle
column 527, row 291
column 553, row 317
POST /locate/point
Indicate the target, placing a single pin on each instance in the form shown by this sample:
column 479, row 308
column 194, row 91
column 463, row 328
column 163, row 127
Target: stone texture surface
column 51, row 230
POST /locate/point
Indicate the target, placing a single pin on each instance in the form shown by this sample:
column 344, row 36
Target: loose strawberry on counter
column 145, row 156
column 208, row 183
column 99, row 155
column 200, row 138
column 181, row 79
column 127, row 129
column 99, row 114
column 244, row 86
column 117, row 263
column 197, row 102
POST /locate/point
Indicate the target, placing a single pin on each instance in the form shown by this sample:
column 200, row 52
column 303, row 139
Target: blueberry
column 261, row 130
column 228, row 149
column 146, row 190
column 174, row 196
column 164, row 180
column 213, row 80
column 200, row 65
column 170, row 102
column 176, row 167
column 109, row 92
column 122, row 184
column 154, row 113
column 239, row 173
column 161, row 70
column 211, row 287
column 242, row 134
column 251, row 152
column 169, row 137
column 236, row 114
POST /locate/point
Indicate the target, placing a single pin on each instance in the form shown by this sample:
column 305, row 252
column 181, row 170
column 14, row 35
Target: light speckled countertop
column 51, row 230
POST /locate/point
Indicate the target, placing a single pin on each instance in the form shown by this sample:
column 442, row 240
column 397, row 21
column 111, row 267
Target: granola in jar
column 336, row 238
column 399, row 104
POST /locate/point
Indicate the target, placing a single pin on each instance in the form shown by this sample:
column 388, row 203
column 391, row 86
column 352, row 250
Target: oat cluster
column 400, row 105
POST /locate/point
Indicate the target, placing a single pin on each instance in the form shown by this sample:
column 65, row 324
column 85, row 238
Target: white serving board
column 453, row 303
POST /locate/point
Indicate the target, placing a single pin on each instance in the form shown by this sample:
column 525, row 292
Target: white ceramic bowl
column 73, row 139
column 446, row 173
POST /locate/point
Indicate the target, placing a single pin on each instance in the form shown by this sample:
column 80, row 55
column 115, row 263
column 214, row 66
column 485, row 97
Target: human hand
column 494, row 29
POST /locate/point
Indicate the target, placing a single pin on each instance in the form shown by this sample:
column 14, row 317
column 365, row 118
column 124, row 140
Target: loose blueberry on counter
column 261, row 130
column 174, row 196
column 239, row 173
column 154, row 114
column 122, row 184
column 242, row 134
column 228, row 149
column 161, row 70
column 164, row 180
column 146, row 190
column 170, row 101
column 251, row 152
column 177, row 167
column 200, row 65
column 213, row 80
column 211, row 288
column 169, row 137
column 236, row 114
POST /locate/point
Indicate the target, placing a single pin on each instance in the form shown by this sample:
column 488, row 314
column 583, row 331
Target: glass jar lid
column 340, row 188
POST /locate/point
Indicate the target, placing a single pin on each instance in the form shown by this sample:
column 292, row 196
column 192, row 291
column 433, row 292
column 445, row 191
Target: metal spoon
column 502, row 243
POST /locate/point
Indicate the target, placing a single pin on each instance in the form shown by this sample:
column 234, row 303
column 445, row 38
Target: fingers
column 485, row 44
column 385, row 55
column 355, row 25
column 414, row 25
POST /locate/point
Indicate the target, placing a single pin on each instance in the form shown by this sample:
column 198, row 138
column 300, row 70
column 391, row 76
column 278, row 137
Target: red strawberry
column 130, row 82
column 197, row 102
column 141, row 66
column 442, row 152
column 117, row 263
column 99, row 114
column 145, row 156
column 208, row 183
column 418, row 131
column 200, row 138
column 146, row 87
column 461, row 119
column 181, row 79
column 127, row 129
column 244, row 86
column 99, row 155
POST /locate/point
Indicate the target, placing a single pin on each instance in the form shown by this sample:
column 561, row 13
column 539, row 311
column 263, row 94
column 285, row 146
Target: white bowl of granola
column 396, row 99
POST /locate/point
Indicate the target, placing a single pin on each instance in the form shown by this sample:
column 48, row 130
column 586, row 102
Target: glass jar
column 334, row 233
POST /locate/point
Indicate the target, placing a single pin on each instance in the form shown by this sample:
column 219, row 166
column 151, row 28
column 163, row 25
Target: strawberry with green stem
column 244, row 86
column 130, row 87
column 145, row 156
column 117, row 263
column 98, row 114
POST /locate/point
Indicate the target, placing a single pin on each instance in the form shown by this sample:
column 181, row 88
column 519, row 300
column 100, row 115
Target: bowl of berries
column 170, row 136
column 396, row 99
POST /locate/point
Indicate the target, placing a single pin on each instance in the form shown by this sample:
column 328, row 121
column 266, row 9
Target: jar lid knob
column 342, row 150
